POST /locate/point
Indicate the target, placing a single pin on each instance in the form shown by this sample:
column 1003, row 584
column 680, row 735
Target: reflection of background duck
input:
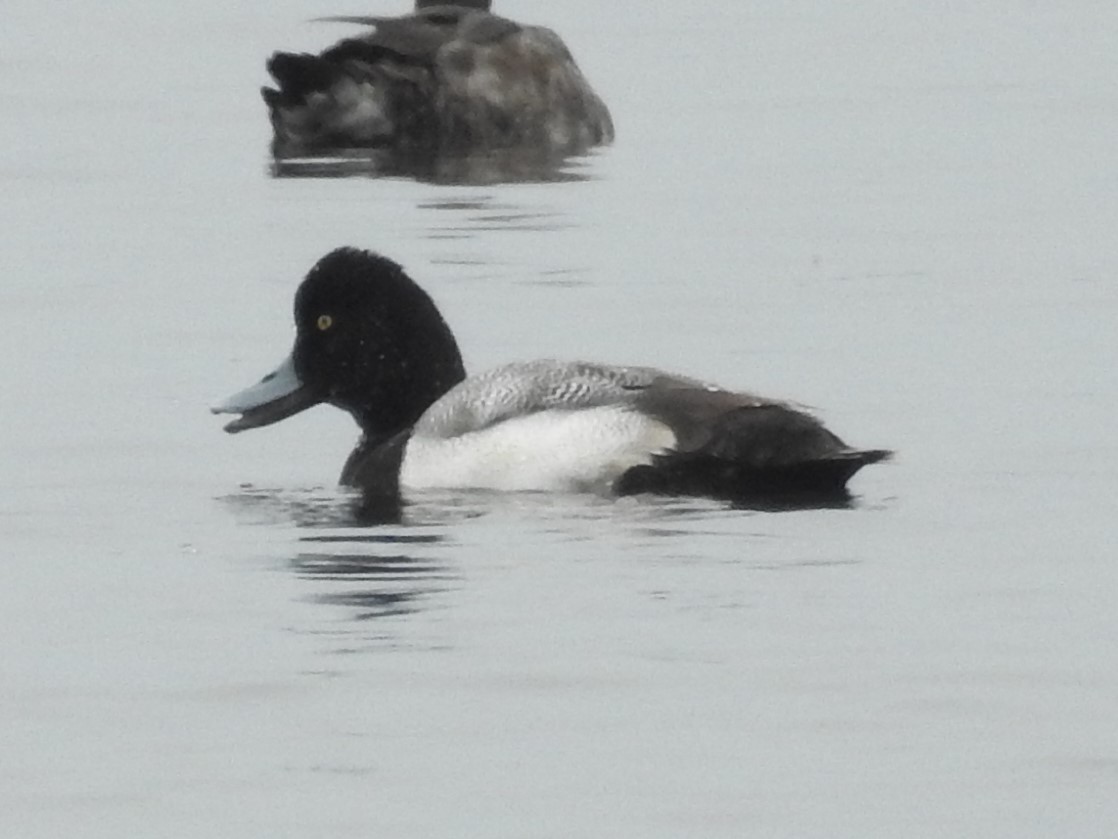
column 450, row 77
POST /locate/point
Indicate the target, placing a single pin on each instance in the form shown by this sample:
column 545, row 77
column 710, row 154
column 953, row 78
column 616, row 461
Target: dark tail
column 810, row 482
column 826, row 474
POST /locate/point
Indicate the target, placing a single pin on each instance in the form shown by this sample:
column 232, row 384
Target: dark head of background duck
column 372, row 342
column 482, row 5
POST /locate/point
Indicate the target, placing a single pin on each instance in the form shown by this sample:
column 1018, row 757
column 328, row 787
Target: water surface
column 901, row 216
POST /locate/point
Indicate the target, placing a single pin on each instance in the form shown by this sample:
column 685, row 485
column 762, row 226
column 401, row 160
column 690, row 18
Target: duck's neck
column 407, row 390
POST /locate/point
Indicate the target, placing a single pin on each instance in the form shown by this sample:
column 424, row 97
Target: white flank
column 547, row 451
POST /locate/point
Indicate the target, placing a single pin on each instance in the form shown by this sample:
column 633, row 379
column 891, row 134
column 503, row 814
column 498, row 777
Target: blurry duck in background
column 451, row 77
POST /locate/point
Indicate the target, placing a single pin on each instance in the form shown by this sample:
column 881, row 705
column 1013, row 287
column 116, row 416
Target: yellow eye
column 325, row 322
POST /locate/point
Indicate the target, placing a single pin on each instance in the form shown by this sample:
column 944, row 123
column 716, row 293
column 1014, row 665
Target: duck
column 450, row 77
column 370, row 341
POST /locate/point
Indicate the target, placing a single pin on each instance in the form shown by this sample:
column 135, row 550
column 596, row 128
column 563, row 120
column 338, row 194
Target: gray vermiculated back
column 527, row 387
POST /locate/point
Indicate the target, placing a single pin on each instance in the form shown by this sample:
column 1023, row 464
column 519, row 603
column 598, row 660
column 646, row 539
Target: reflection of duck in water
column 450, row 77
column 371, row 341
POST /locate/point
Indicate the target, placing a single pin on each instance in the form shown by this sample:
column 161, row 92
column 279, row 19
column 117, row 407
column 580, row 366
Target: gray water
column 902, row 215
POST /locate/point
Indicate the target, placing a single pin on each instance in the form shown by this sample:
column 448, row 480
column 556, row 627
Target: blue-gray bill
column 277, row 396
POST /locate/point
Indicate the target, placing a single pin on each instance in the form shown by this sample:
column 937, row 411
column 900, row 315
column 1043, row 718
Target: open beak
column 277, row 396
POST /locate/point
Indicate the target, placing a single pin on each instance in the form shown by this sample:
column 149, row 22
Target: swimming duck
column 451, row 77
column 370, row 341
